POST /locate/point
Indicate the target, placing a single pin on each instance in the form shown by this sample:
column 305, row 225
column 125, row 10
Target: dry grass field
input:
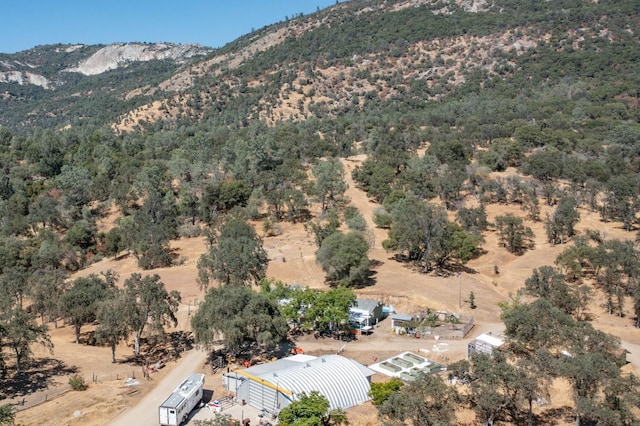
column 293, row 261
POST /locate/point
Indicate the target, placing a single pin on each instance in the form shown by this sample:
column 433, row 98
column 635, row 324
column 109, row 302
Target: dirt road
column 146, row 412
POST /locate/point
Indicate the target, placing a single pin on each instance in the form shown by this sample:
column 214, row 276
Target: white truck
column 176, row 408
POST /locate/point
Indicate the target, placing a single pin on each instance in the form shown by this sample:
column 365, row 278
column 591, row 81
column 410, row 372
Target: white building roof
column 492, row 340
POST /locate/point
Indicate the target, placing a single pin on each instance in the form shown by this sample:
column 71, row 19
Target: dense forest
column 437, row 96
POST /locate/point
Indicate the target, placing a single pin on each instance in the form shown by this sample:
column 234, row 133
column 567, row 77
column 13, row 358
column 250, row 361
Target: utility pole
column 460, row 291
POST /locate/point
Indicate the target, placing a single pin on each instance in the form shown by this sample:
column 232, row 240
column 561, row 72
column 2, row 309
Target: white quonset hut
column 272, row 386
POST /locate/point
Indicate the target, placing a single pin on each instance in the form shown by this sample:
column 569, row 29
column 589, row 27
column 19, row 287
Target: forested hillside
column 441, row 97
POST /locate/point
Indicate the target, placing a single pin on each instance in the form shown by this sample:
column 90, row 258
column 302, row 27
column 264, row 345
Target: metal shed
column 400, row 321
column 484, row 343
column 272, row 386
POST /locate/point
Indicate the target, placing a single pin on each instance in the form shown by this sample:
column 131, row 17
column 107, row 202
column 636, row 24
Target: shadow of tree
column 88, row 338
column 37, row 376
column 155, row 349
column 554, row 416
column 446, row 270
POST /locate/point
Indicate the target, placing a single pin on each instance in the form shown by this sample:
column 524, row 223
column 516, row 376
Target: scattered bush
column 77, row 383
column 350, row 212
column 382, row 218
column 381, row 391
column 189, row 231
column 357, row 223
column 472, row 300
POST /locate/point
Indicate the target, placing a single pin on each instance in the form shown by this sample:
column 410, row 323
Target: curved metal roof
column 342, row 381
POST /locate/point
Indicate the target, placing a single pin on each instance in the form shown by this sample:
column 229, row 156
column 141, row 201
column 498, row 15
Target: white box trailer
column 175, row 409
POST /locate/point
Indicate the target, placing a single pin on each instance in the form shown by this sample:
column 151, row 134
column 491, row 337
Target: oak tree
column 148, row 303
column 19, row 331
column 343, row 257
column 329, row 183
column 80, row 302
column 426, row 401
column 112, row 325
column 513, row 233
column 237, row 257
column 239, row 317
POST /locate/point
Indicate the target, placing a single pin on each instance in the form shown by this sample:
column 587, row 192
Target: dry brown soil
column 293, row 261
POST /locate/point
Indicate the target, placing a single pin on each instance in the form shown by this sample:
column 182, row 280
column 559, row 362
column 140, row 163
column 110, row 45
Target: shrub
column 77, row 383
column 381, row 391
column 357, row 223
column 382, row 218
column 7, row 415
column 350, row 212
column 189, row 231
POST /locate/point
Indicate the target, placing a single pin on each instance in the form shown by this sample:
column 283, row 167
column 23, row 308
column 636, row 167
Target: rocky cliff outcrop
column 41, row 66
column 120, row 55
column 22, row 78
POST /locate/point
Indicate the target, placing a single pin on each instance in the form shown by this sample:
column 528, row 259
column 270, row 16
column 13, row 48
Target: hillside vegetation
column 455, row 108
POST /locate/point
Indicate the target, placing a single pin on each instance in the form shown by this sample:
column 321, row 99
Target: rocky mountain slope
column 335, row 61
column 41, row 86
column 120, row 55
column 44, row 65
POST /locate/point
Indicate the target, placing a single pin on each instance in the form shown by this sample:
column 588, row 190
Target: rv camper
column 175, row 409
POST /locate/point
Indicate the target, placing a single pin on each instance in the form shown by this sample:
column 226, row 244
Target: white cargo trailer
column 175, row 409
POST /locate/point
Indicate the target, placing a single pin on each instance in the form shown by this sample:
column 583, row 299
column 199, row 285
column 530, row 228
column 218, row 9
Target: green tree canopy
column 547, row 282
column 513, row 233
column 75, row 183
column 329, row 184
column 7, row 416
column 499, row 388
column 423, row 232
column 310, row 410
column 112, row 315
column 420, row 175
column 344, row 258
column 418, row 229
column 80, row 302
column 154, row 225
column 561, row 224
column 313, row 309
column 588, row 358
column 236, row 258
column 223, row 196
column 375, row 177
column 381, row 391
column 148, row 303
column 19, row 331
column 239, row 317
column 427, row 401
column 46, row 290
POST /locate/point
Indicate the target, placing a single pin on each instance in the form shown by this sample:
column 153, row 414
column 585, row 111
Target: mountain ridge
column 325, row 63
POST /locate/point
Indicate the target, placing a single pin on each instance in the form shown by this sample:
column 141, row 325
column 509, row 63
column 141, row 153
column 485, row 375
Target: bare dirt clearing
column 292, row 255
